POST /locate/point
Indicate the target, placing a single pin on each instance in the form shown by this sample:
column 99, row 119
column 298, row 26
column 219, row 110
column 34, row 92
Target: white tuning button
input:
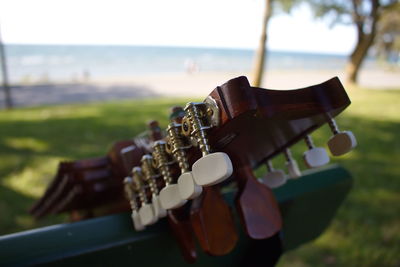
column 170, row 197
column 159, row 211
column 291, row 165
column 341, row 142
column 273, row 178
column 212, row 169
column 188, row 189
column 146, row 211
column 137, row 224
column 146, row 214
column 314, row 156
column 131, row 194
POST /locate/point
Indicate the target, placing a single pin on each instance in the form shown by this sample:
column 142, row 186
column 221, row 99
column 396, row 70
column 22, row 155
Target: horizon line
column 182, row 46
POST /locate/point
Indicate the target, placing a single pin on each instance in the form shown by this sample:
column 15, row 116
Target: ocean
column 70, row 63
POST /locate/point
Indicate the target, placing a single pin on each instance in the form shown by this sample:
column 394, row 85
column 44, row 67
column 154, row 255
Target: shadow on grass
column 73, row 137
column 30, row 147
column 365, row 232
column 14, row 216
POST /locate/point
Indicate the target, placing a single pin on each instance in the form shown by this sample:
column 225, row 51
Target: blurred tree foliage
column 368, row 16
column 387, row 43
column 377, row 22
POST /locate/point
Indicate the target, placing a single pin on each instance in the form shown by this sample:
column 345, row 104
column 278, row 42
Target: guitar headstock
column 178, row 173
column 233, row 131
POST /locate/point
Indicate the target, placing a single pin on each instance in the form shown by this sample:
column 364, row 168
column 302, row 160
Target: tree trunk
column 261, row 51
column 357, row 58
column 364, row 40
column 6, row 87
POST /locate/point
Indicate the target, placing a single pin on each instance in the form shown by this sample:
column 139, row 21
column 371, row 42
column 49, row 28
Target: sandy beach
column 179, row 85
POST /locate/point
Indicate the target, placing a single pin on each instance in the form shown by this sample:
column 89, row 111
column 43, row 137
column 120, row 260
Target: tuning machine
column 291, row 164
column 146, row 211
column 150, row 175
column 211, row 168
column 170, row 197
column 177, row 145
column 341, row 142
column 131, row 196
column 274, row 178
column 314, row 156
column 154, row 130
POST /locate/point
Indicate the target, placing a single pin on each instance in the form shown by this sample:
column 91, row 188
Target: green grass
column 365, row 232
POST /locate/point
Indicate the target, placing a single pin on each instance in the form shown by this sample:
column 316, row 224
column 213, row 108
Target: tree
column 365, row 15
column 6, row 87
column 261, row 53
column 261, row 50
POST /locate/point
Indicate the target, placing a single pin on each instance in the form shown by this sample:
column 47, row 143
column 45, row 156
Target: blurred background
column 78, row 75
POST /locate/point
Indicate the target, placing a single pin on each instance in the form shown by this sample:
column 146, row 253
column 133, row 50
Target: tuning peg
column 150, row 175
column 188, row 189
column 155, row 132
column 131, row 196
column 341, row 142
column 291, row 164
column 146, row 211
column 177, row 146
column 273, row 178
column 177, row 114
column 314, row 156
column 211, row 168
column 170, row 197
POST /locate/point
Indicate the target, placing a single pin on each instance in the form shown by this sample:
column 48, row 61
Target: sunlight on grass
column 25, row 221
column 381, row 105
column 32, row 180
column 59, row 112
column 26, row 143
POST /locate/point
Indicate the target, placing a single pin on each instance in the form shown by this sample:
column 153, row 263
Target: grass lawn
column 366, row 231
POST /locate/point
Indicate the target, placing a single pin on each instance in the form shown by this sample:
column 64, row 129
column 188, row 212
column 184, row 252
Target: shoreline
column 198, row 84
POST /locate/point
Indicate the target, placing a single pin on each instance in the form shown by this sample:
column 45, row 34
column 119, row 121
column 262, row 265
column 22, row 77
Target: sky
column 199, row 23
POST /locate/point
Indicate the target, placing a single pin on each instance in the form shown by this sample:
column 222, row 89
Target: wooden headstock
column 219, row 141
column 236, row 129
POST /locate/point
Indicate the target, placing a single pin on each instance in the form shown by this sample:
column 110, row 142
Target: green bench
column 308, row 205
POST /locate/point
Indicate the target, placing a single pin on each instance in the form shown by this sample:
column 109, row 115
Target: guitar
column 208, row 145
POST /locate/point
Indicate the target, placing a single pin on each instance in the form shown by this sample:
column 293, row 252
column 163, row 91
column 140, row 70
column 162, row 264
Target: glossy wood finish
column 88, row 184
column 256, row 205
column 179, row 222
column 213, row 222
column 257, row 124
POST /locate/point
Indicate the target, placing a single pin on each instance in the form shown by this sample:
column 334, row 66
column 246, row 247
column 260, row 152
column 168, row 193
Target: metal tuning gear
column 132, row 197
column 150, row 175
column 170, row 197
column 314, row 156
column 341, row 142
column 274, row 178
column 146, row 212
column 291, row 164
column 177, row 145
column 211, row 168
